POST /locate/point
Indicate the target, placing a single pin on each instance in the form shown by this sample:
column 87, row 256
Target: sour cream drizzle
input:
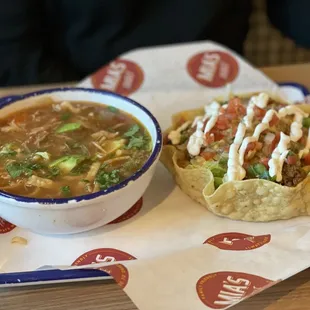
column 237, row 150
column 278, row 156
column 261, row 101
column 175, row 135
column 306, row 150
column 296, row 126
column 197, row 139
column 295, row 132
column 235, row 171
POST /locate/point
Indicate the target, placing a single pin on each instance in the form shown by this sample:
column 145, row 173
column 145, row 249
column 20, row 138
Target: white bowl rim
column 5, row 101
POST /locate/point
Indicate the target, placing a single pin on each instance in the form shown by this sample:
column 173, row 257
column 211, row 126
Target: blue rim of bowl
column 5, row 101
column 301, row 87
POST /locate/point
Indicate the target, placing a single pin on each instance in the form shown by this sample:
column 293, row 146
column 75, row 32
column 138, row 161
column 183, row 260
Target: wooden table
column 292, row 294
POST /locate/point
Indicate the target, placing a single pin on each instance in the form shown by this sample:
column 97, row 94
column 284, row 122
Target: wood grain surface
column 291, row 294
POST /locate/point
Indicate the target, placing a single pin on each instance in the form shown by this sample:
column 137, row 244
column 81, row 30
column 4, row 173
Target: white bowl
column 78, row 214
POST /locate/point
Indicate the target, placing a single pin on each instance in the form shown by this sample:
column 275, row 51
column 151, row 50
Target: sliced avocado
column 67, row 163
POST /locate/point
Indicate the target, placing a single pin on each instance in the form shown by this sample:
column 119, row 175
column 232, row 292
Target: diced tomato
column 207, row 155
column 307, row 159
column 275, row 142
column 209, row 137
column 213, row 135
column 222, row 122
column 274, row 121
column 231, row 116
column 259, row 113
column 246, row 165
column 264, row 161
column 303, row 140
column 251, row 146
column 218, row 136
column 291, row 159
column 222, row 110
column 236, row 107
column 234, row 129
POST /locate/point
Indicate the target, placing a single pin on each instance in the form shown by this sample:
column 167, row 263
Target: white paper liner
column 166, row 240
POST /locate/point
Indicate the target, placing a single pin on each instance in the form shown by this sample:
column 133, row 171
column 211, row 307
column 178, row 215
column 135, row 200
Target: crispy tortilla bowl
column 252, row 200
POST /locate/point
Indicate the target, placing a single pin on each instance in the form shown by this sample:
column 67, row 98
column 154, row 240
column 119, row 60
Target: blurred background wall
column 265, row 46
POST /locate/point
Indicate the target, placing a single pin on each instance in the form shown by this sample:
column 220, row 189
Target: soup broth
column 65, row 149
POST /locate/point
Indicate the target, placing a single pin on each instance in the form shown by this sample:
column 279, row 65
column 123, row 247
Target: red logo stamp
column 117, row 271
column 220, row 290
column 5, row 226
column 120, row 76
column 213, row 68
column 130, row 213
column 234, row 241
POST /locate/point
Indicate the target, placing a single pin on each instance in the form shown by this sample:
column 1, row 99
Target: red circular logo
column 220, row 290
column 120, row 76
column 5, row 226
column 234, row 241
column 130, row 213
column 117, row 271
column 213, row 68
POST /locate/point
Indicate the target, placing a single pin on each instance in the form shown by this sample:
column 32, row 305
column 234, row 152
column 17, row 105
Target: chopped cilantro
column 68, row 127
column 65, row 116
column 34, row 166
column 81, row 168
column 65, row 190
column 306, row 122
column 132, row 131
column 136, row 142
column 107, row 179
column 54, row 172
column 17, row 169
column 259, row 171
column 112, row 109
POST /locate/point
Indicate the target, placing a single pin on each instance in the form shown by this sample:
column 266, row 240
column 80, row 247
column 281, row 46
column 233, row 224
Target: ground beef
column 292, row 175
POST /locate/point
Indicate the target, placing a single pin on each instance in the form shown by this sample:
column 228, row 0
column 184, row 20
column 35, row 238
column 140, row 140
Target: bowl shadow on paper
column 159, row 189
column 279, row 294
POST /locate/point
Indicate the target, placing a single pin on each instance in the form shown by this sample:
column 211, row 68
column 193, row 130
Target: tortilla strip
column 253, row 200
